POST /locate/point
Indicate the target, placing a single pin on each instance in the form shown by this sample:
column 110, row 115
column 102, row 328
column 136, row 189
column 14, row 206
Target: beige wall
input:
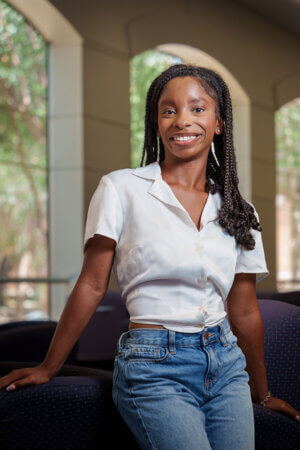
column 261, row 56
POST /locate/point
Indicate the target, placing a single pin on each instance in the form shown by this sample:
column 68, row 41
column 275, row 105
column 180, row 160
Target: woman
column 182, row 241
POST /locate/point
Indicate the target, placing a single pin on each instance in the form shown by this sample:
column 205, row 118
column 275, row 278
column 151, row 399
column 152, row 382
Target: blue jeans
column 184, row 391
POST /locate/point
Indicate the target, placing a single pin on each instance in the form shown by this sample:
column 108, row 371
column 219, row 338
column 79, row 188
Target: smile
column 184, row 140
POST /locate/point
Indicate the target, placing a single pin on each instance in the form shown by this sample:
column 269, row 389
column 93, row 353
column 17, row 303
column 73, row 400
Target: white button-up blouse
column 169, row 273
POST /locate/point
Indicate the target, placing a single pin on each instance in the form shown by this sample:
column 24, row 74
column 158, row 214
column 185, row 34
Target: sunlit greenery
column 23, row 156
column 287, row 120
column 288, row 135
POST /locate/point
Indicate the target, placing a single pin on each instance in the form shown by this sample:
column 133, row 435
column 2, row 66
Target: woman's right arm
column 85, row 297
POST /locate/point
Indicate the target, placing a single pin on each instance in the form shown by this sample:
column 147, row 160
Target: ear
column 219, row 126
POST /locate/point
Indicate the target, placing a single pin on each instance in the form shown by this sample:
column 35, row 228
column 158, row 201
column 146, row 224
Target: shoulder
column 130, row 178
column 119, row 177
column 122, row 183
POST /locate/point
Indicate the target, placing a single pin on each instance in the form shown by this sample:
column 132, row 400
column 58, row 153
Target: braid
column 236, row 215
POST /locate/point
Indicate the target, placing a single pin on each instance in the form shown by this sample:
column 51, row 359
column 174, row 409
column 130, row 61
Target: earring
column 213, row 147
column 214, row 153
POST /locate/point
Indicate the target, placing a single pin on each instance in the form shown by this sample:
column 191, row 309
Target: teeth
column 184, row 138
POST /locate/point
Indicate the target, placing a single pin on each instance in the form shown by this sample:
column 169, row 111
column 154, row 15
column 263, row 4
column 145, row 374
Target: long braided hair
column 236, row 215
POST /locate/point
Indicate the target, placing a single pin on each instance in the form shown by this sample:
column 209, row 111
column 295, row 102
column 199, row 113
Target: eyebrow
column 170, row 102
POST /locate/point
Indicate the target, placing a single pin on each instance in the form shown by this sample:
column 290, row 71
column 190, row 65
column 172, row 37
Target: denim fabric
column 184, row 391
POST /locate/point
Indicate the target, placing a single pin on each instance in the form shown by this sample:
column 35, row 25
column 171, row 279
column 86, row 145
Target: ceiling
column 285, row 13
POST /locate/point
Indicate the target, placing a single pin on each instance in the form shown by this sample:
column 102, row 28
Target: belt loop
column 222, row 326
column 120, row 341
column 172, row 346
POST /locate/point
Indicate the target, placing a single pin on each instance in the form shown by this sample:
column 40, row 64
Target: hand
column 285, row 408
column 25, row 377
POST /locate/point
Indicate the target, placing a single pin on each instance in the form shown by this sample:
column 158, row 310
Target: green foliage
column 23, row 157
column 287, row 120
column 143, row 69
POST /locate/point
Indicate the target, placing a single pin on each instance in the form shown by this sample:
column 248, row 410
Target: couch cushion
column 74, row 412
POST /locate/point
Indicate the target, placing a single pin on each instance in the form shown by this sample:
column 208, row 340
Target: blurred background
column 73, row 81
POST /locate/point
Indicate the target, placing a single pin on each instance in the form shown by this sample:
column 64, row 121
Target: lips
column 186, row 142
column 183, row 135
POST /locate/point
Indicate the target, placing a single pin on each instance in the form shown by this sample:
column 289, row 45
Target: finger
column 288, row 409
column 13, row 384
column 12, row 376
column 20, row 383
column 3, row 381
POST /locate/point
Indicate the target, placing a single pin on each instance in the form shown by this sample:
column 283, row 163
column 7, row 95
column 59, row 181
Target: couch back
column 282, row 348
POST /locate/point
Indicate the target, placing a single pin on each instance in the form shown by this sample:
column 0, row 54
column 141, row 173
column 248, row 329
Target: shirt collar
column 151, row 171
column 162, row 191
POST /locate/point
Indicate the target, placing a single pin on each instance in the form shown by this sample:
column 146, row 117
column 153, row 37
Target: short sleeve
column 253, row 261
column 105, row 212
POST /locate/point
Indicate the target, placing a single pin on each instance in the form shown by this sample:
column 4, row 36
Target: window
column 23, row 169
column 287, row 121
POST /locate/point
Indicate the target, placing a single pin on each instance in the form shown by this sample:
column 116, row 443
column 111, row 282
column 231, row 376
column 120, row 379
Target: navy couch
column 75, row 410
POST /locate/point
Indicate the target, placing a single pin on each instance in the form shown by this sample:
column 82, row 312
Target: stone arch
column 286, row 89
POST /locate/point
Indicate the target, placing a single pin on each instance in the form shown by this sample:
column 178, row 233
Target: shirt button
column 200, row 279
column 198, row 248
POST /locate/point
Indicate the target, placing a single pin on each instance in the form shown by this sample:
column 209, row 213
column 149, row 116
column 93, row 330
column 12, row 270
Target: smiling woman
column 182, row 241
column 194, row 243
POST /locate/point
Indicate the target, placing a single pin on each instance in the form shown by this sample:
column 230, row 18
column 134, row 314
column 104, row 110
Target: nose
column 182, row 120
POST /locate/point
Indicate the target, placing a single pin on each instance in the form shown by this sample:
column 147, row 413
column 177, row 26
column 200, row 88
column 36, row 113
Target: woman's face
column 186, row 118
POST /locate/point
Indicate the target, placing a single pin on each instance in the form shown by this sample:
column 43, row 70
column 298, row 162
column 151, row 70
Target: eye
column 166, row 111
column 199, row 108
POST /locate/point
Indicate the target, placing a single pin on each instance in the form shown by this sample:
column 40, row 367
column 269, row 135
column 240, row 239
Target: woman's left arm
column 247, row 325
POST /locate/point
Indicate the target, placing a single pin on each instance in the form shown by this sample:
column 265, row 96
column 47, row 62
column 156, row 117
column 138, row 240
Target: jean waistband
column 173, row 339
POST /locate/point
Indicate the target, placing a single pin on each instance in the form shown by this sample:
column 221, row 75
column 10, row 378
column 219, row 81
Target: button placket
column 198, row 249
column 200, row 279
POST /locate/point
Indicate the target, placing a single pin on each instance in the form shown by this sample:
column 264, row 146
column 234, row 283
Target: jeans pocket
column 233, row 342
column 145, row 352
column 231, row 339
